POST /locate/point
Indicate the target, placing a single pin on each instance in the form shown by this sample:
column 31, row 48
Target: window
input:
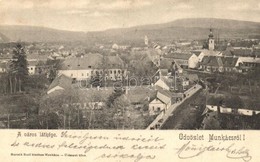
column 89, row 67
column 31, row 68
column 114, row 71
column 82, row 74
column 111, row 72
column 71, row 75
column 119, row 71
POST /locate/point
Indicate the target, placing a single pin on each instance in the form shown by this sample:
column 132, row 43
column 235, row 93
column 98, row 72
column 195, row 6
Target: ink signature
column 189, row 150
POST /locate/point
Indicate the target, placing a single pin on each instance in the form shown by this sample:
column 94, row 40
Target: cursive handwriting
column 126, row 156
column 189, row 150
column 82, row 138
column 90, row 146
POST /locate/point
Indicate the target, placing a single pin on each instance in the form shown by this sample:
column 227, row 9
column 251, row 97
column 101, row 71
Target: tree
column 18, row 69
column 55, row 66
column 64, row 105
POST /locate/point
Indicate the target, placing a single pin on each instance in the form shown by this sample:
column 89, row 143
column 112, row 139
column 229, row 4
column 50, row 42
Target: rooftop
column 62, row 81
column 90, row 61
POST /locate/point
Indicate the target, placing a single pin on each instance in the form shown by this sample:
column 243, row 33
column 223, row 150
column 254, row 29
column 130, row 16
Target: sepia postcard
column 130, row 80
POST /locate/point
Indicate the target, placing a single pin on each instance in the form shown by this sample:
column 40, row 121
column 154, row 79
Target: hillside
column 185, row 29
column 180, row 29
column 39, row 34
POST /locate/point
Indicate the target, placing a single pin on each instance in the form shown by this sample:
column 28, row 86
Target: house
column 91, row 65
column 36, row 67
column 192, row 78
column 161, row 103
column 229, row 64
column 170, row 65
column 166, row 83
column 156, row 106
column 32, row 66
column 208, row 53
column 211, row 64
column 182, row 59
column 235, row 111
column 60, row 83
column 244, row 64
column 193, row 61
column 164, row 99
column 241, row 51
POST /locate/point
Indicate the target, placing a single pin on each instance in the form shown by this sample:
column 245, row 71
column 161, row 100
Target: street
column 187, row 115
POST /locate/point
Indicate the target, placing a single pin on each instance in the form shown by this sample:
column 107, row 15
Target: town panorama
column 190, row 73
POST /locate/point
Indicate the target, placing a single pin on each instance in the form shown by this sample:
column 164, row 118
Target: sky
column 95, row 15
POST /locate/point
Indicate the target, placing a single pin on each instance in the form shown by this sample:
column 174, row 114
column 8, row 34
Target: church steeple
column 211, row 33
column 211, row 40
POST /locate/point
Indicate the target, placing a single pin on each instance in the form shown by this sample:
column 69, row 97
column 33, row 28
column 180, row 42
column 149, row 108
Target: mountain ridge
column 188, row 28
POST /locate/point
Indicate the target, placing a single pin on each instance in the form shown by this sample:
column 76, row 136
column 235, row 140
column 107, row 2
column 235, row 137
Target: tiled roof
column 62, row 81
column 229, row 61
column 33, row 63
column 168, row 81
column 164, row 98
column 211, row 61
column 211, row 53
column 227, row 52
column 249, row 60
column 91, row 61
column 181, row 56
column 163, row 91
column 239, row 51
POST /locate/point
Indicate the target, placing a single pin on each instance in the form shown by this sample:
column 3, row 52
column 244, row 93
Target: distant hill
column 39, row 34
column 3, row 38
column 193, row 28
column 185, row 29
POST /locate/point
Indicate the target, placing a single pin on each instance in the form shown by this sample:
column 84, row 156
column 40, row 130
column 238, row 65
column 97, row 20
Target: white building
column 239, row 111
column 162, row 102
column 91, row 65
column 193, row 61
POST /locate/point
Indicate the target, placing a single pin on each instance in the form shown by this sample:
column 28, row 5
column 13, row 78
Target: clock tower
column 211, row 40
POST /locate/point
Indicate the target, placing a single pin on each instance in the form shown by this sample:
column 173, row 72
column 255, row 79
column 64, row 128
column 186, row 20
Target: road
column 163, row 116
column 188, row 114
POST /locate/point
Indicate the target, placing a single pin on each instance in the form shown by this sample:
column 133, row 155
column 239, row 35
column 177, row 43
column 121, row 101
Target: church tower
column 146, row 40
column 211, row 40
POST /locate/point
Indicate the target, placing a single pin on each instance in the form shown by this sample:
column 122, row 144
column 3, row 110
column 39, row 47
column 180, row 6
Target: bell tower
column 211, row 40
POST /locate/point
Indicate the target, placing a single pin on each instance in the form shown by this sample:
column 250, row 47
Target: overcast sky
column 90, row 15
